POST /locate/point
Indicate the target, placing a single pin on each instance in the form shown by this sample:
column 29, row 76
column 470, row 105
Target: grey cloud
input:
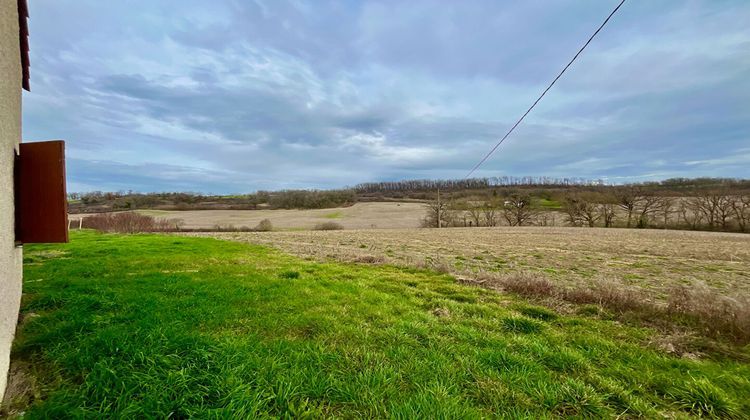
column 259, row 95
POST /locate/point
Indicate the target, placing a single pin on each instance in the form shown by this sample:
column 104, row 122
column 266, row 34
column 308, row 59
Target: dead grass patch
column 328, row 226
column 368, row 259
column 717, row 315
column 646, row 259
column 441, row 312
column 698, row 308
column 20, row 391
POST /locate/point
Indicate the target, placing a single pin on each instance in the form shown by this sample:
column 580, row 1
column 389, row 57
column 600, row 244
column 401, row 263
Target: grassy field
column 358, row 216
column 168, row 326
column 654, row 260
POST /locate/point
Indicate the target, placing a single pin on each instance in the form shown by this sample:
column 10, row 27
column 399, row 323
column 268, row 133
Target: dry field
column 358, row 216
column 653, row 260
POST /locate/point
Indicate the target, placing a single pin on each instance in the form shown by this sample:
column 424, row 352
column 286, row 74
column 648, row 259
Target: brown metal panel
column 41, row 201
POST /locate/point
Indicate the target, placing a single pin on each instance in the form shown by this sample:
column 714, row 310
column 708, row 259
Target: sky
column 234, row 96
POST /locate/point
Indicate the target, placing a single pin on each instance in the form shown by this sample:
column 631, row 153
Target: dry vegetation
column 129, row 222
column 695, row 307
column 650, row 259
column 358, row 216
column 701, row 278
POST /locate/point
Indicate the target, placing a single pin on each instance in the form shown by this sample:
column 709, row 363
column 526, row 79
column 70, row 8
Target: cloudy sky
column 238, row 95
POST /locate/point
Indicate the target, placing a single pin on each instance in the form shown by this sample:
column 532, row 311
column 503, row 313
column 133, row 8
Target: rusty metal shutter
column 41, row 200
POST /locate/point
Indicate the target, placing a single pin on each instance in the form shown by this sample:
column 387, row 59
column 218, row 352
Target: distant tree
column 691, row 213
column 591, row 213
column 725, row 210
column 627, row 199
column 646, row 205
column 438, row 210
column 475, row 213
column 706, row 204
column 489, row 208
column 715, row 206
column 741, row 208
column 573, row 210
column 666, row 209
column 581, row 210
column 609, row 213
column 517, row 209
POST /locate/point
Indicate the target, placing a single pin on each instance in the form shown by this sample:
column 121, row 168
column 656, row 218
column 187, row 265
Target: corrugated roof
column 23, row 34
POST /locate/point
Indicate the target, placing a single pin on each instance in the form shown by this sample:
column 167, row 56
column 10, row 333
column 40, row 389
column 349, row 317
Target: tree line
column 632, row 206
column 701, row 203
column 415, row 185
column 97, row 201
column 420, row 185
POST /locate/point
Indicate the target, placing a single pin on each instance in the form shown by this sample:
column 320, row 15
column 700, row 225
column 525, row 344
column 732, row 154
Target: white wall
column 10, row 136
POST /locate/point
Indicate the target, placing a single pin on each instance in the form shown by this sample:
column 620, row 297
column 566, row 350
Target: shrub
column 528, row 284
column 696, row 307
column 717, row 315
column 609, row 295
column 129, row 222
column 264, row 226
column 328, row 226
column 369, row 259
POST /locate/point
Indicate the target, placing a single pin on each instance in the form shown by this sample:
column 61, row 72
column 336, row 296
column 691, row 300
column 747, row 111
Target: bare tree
column 590, row 213
column 573, row 211
column 475, row 213
column 741, row 208
column 609, row 213
column 627, row 199
column 517, row 209
column 690, row 211
column 647, row 205
column 582, row 209
column 437, row 210
column 544, row 219
column 724, row 210
column 716, row 208
column 666, row 209
column 490, row 213
column 706, row 205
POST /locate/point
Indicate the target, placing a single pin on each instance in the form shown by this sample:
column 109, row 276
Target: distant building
column 14, row 76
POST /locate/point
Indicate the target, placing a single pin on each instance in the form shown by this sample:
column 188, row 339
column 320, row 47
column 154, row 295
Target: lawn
column 158, row 326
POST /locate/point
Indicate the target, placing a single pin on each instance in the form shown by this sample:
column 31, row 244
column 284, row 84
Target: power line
column 545, row 92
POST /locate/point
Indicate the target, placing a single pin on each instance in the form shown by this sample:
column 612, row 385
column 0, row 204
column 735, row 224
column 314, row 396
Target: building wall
column 10, row 136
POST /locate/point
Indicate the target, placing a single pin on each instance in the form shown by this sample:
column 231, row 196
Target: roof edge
column 23, row 35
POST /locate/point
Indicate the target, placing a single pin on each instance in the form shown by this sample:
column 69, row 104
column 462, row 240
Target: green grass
column 549, row 204
column 158, row 326
column 333, row 215
column 152, row 212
